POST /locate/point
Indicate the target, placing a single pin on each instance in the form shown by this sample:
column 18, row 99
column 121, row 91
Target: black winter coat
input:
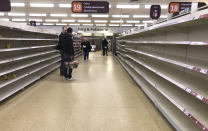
column 68, row 46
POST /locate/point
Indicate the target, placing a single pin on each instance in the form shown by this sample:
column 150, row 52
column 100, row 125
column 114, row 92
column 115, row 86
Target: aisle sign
column 155, row 11
column 90, row 7
column 5, row 5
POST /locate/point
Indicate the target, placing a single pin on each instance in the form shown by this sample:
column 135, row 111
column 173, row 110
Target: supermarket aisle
column 103, row 98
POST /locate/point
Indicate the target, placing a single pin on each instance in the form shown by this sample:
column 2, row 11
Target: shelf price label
column 90, row 7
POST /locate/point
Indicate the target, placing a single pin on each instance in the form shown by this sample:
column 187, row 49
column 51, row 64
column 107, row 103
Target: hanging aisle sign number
column 5, row 5
column 90, row 7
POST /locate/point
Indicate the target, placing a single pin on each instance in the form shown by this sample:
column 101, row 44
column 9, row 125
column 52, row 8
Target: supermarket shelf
column 172, row 95
column 26, row 39
column 176, row 80
column 17, row 58
column 26, row 48
column 8, row 91
column 19, row 66
column 190, row 67
column 165, row 42
column 177, row 119
column 28, row 72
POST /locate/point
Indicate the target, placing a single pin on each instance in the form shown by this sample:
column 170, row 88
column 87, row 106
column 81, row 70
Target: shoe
column 70, row 79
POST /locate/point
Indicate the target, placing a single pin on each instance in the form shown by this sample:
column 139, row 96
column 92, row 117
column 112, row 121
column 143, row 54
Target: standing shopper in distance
column 105, row 47
column 86, row 47
column 60, row 47
column 68, row 53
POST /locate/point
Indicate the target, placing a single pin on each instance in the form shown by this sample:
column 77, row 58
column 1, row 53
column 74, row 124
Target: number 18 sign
column 90, row 7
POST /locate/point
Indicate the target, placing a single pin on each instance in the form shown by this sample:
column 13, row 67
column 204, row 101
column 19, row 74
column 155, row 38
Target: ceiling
column 57, row 10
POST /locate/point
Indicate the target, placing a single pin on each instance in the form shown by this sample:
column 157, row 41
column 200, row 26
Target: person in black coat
column 86, row 47
column 60, row 47
column 68, row 50
column 105, row 47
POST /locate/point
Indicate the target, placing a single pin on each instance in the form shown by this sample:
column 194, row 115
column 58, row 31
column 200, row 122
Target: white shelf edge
column 25, row 48
column 26, row 39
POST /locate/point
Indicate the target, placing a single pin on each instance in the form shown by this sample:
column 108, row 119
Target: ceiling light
column 58, row 15
column 1, row 14
column 87, row 24
column 4, row 19
column 128, row 6
column 82, row 21
column 37, row 23
column 114, row 25
column 140, row 16
column 16, row 14
column 126, row 25
column 100, row 16
column 51, row 20
column 75, row 24
column 100, row 24
column 139, row 25
column 23, row 23
column 100, row 21
column 65, row 5
column 79, row 15
column 116, row 21
column 48, row 24
column 37, row 20
column 120, row 16
column 163, row 16
column 36, row 14
column 17, row 4
column 147, row 21
column 61, row 24
column 132, row 21
column 162, row 6
column 41, row 5
column 110, row 6
column 18, row 20
column 68, row 20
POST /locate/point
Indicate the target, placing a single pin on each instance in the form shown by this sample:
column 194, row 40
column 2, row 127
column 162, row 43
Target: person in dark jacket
column 105, row 47
column 68, row 50
column 60, row 47
column 86, row 47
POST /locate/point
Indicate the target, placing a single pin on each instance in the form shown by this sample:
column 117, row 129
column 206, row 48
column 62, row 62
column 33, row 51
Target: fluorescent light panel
column 128, row 6
column 100, row 21
column 19, row 20
column 79, row 15
column 75, row 24
column 147, row 21
column 116, row 21
column 126, row 25
column 4, row 19
column 1, row 14
column 87, row 24
column 114, row 25
column 16, row 14
column 37, row 20
column 17, row 4
column 82, row 21
column 132, row 21
column 100, row 16
column 163, row 16
column 36, row 14
column 68, row 20
column 120, row 16
column 100, row 24
column 51, row 20
column 162, row 6
column 139, row 25
column 41, row 5
column 61, row 24
column 141, row 16
column 58, row 15
column 64, row 5
column 48, row 24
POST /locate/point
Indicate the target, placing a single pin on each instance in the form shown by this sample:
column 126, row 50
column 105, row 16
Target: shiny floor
column 102, row 98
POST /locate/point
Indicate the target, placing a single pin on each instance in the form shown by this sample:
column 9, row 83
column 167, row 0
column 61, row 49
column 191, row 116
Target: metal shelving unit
column 77, row 46
column 26, row 54
column 169, row 63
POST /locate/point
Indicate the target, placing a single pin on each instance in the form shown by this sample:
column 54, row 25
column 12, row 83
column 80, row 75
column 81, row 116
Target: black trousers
column 62, row 63
column 105, row 51
column 67, row 70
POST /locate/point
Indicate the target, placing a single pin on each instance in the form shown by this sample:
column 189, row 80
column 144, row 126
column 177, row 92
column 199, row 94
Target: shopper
column 60, row 47
column 68, row 50
column 105, row 47
column 86, row 47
